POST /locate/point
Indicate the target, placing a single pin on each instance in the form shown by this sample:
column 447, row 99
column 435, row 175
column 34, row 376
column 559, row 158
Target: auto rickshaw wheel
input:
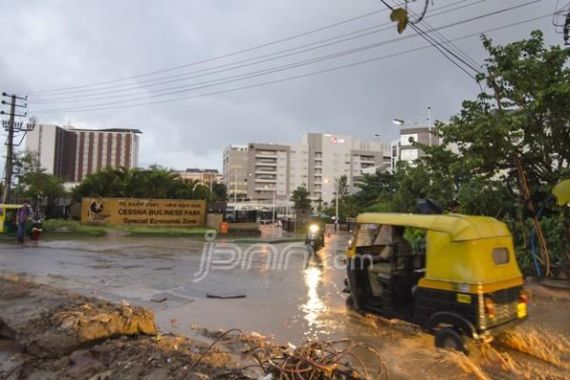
column 450, row 339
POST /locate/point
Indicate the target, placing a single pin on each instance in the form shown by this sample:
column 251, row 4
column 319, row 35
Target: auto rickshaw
column 7, row 217
column 461, row 280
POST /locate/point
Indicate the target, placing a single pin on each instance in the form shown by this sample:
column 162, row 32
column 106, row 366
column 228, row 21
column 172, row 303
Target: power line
column 441, row 46
column 246, row 62
column 101, row 108
column 224, row 80
column 215, row 58
column 188, row 87
column 442, row 38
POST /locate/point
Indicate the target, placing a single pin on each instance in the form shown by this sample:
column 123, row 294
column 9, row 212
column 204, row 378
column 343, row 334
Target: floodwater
column 286, row 296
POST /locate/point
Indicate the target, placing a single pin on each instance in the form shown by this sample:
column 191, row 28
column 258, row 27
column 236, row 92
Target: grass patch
column 72, row 226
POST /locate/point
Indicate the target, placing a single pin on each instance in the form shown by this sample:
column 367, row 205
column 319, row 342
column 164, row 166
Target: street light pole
column 336, row 205
column 429, row 124
column 273, row 208
column 235, row 187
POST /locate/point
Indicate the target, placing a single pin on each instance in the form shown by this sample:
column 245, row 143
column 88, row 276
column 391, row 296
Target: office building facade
column 274, row 171
column 235, row 170
column 204, row 176
column 403, row 149
column 73, row 153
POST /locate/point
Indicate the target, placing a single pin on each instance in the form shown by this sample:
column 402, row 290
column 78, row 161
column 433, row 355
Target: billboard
column 144, row 212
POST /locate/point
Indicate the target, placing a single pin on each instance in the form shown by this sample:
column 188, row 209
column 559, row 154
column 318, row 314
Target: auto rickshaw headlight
column 313, row 228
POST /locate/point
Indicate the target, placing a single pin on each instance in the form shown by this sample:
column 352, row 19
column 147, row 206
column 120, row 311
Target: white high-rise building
column 235, row 171
column 274, row 171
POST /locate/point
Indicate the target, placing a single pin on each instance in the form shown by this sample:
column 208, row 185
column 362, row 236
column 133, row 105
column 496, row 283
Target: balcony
column 266, row 180
column 262, row 154
column 367, row 159
column 265, row 162
column 260, row 171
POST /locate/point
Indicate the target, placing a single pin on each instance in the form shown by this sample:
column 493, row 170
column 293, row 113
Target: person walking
column 22, row 217
column 37, row 225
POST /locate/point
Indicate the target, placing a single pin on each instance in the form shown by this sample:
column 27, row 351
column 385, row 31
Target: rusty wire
column 326, row 360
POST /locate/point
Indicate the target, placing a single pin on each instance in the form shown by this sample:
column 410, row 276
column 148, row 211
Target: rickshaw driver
column 381, row 266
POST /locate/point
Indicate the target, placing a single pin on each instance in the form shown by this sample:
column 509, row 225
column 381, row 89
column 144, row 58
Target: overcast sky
column 55, row 44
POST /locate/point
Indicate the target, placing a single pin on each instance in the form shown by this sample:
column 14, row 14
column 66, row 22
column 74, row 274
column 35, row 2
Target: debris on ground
column 52, row 322
column 225, row 296
column 158, row 298
column 48, row 333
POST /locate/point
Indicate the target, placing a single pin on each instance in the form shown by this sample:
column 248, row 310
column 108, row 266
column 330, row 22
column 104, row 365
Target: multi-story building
column 73, row 153
column 403, row 148
column 205, row 176
column 53, row 146
column 268, row 171
column 333, row 156
column 274, row 171
column 235, row 171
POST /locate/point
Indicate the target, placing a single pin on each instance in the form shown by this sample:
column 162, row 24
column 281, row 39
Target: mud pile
column 48, row 333
column 49, row 322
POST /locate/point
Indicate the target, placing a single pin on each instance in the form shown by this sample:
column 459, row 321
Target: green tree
column 35, row 185
column 517, row 130
column 300, row 198
column 374, row 189
column 155, row 182
column 219, row 191
column 342, row 186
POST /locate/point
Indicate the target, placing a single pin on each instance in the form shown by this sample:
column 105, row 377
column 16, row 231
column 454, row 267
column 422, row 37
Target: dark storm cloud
column 51, row 44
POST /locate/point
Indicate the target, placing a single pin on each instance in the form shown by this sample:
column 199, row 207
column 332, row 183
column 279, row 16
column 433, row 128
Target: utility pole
column 11, row 128
column 429, row 124
column 235, row 187
column 336, row 181
column 273, row 208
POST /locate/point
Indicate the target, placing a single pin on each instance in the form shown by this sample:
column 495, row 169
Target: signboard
column 145, row 212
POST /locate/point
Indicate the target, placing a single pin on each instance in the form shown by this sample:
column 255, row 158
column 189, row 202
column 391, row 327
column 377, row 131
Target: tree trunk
column 527, row 201
column 523, row 187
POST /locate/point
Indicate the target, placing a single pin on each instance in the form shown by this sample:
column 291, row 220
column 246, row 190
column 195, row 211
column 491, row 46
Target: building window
column 408, row 139
column 409, row 154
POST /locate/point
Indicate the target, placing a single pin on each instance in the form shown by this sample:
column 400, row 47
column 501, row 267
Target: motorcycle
column 315, row 239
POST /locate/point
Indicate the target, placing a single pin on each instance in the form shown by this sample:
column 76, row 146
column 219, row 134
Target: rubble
column 48, row 333
column 50, row 322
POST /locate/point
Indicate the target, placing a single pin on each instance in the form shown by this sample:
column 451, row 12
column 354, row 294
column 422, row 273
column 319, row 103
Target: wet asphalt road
column 285, row 295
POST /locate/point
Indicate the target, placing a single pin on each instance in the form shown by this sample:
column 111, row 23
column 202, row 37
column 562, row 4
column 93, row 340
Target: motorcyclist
column 315, row 231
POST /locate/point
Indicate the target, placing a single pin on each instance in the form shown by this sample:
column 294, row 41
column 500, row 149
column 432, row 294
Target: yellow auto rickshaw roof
column 9, row 206
column 459, row 227
column 562, row 192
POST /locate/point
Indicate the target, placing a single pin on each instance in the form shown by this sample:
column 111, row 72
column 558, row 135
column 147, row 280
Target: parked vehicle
column 463, row 282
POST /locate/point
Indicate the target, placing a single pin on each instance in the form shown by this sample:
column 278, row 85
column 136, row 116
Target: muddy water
column 293, row 300
column 286, row 296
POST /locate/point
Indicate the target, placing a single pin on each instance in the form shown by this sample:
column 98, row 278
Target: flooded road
column 286, row 296
column 298, row 301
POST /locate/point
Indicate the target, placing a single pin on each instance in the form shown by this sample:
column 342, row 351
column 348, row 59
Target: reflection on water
column 314, row 307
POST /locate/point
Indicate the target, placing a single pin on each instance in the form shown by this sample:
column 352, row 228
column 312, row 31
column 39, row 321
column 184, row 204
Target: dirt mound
column 52, row 322
column 54, row 334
